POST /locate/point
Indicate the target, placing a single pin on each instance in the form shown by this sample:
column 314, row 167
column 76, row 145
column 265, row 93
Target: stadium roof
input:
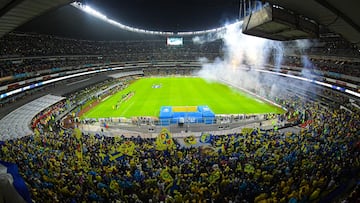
column 14, row 13
column 340, row 17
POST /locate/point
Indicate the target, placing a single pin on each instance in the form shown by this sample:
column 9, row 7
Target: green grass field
column 146, row 100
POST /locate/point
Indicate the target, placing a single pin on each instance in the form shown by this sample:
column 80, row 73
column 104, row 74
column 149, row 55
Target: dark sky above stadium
column 170, row 15
column 159, row 15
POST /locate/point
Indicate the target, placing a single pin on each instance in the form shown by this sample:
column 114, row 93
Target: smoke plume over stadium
column 242, row 53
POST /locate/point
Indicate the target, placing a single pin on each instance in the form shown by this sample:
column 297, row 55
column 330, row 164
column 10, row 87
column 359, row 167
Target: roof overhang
column 14, row 13
column 341, row 17
column 277, row 23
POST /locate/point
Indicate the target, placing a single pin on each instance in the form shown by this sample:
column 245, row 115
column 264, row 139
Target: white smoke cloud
column 308, row 67
column 243, row 53
column 207, row 38
column 303, row 44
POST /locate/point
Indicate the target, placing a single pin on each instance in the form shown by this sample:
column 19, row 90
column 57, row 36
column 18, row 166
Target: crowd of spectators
column 163, row 71
column 278, row 166
column 52, row 53
column 23, row 45
column 334, row 46
column 314, row 65
column 30, row 54
column 274, row 166
column 47, row 118
column 35, row 66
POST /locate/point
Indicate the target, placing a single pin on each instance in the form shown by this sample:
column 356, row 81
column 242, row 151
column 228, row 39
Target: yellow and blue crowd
column 249, row 166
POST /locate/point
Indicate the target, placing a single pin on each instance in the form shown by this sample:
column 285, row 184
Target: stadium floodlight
column 93, row 12
column 97, row 14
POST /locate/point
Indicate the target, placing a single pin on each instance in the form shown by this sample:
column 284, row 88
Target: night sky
column 171, row 15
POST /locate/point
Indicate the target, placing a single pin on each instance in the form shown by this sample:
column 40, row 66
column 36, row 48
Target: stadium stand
column 125, row 74
column 241, row 171
column 318, row 162
column 259, row 178
column 17, row 123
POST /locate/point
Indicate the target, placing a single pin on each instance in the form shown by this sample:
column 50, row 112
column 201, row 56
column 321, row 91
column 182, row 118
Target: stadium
column 182, row 101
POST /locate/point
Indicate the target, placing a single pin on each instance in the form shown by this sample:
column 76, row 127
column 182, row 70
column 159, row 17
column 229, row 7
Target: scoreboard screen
column 174, row 41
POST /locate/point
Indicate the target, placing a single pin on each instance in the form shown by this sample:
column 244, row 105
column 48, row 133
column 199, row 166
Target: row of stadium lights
column 103, row 17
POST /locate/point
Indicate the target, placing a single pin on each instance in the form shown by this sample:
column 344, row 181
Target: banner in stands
column 12, row 185
column 164, row 140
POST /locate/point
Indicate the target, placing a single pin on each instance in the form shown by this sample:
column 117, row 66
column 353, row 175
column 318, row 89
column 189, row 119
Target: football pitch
column 145, row 96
